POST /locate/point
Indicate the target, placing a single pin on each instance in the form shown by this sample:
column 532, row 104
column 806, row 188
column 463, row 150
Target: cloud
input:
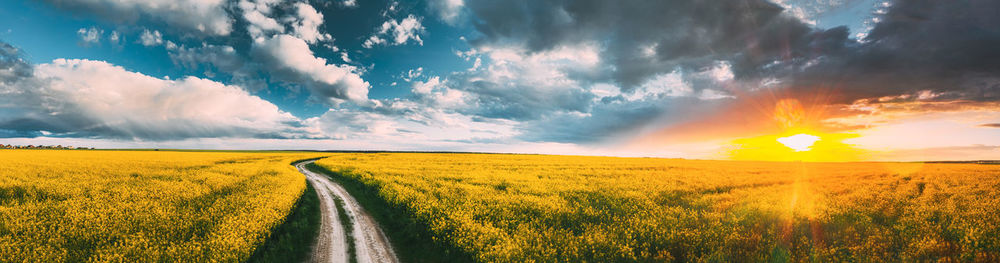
column 290, row 59
column 94, row 99
column 264, row 19
column 394, row 32
column 550, row 96
column 116, row 38
column 692, row 53
column 990, row 125
column 221, row 57
column 256, row 13
column 413, row 74
column 90, row 35
column 151, row 38
column 643, row 39
column 307, row 25
column 447, row 10
column 914, row 47
column 398, row 123
column 13, row 68
column 349, row 3
column 206, row 17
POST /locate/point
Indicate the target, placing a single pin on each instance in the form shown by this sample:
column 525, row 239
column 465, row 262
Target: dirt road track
column 371, row 244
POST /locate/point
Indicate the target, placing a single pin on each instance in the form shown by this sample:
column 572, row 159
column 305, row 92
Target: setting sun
column 808, row 146
column 799, row 142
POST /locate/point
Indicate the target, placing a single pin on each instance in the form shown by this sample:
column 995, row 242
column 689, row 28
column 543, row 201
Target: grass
column 292, row 241
column 346, row 223
column 411, row 239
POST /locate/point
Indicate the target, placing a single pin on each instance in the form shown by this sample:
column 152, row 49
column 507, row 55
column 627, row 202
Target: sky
column 893, row 80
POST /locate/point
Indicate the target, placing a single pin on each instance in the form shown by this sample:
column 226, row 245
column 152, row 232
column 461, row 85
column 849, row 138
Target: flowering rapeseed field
column 531, row 208
column 142, row 206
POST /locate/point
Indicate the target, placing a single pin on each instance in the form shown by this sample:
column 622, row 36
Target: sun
column 796, row 145
column 799, row 142
column 796, row 139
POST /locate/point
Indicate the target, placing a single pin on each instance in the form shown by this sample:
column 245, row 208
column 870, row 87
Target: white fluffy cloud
column 115, row 37
column 290, row 59
column 263, row 22
column 394, row 32
column 207, row 17
column 151, row 38
column 85, row 98
column 435, row 94
column 306, row 24
column 257, row 14
column 90, row 35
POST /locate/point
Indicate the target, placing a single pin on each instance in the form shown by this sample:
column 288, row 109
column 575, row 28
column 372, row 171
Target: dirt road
column 370, row 243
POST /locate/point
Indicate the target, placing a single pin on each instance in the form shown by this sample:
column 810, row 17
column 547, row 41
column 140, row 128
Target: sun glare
column 799, row 142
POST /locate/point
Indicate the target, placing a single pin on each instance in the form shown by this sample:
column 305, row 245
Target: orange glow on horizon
column 796, row 142
column 799, row 142
column 827, row 147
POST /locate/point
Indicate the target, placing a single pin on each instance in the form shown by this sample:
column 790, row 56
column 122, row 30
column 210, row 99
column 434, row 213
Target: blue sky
column 23, row 21
column 579, row 77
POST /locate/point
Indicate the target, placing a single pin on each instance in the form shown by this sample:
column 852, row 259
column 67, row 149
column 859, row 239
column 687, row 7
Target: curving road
column 370, row 243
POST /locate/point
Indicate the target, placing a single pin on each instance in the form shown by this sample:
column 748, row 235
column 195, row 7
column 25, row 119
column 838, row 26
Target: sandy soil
column 371, row 244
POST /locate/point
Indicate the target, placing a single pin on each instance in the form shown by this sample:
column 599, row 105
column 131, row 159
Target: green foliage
column 412, row 240
column 292, row 241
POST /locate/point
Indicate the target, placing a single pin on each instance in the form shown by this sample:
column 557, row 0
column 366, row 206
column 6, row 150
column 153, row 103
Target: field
column 98, row 206
column 531, row 208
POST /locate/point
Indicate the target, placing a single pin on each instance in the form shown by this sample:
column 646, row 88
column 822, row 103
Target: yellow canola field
column 142, row 206
column 533, row 208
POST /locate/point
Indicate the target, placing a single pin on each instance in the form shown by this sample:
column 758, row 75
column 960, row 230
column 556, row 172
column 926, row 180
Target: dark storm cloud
column 947, row 47
column 12, row 67
column 686, row 34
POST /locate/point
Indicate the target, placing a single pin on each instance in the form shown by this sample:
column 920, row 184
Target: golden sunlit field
column 129, row 206
column 528, row 208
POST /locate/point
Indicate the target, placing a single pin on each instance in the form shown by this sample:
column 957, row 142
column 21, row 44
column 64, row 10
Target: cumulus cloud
column 306, row 24
column 151, row 38
column 266, row 18
column 206, row 17
column 447, row 10
column 257, row 13
column 115, row 38
column 289, row 58
column 90, row 35
column 394, row 32
column 553, row 95
column 85, row 98
column 517, row 85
